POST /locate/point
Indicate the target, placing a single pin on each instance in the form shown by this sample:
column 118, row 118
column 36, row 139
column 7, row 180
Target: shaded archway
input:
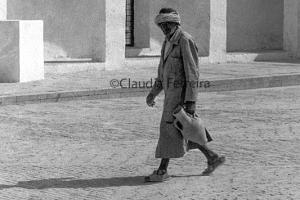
column 148, row 38
column 255, row 25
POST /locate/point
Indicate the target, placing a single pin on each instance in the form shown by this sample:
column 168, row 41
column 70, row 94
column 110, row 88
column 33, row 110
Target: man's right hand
column 150, row 100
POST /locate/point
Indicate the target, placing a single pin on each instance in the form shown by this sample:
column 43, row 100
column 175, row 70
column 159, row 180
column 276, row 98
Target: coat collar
column 176, row 36
column 173, row 41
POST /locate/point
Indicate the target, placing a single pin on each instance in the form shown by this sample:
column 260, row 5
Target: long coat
column 178, row 75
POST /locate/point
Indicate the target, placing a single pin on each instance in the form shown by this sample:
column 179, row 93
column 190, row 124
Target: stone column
column 115, row 34
column 21, row 51
column 3, row 9
column 292, row 27
column 218, row 31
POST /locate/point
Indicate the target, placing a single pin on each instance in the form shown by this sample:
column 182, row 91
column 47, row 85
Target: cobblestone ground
column 102, row 149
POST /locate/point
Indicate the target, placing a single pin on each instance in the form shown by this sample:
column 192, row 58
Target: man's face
column 166, row 28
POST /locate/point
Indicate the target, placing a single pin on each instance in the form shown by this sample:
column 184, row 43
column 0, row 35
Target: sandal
column 213, row 165
column 158, row 176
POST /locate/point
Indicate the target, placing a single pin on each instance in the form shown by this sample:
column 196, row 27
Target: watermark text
column 127, row 83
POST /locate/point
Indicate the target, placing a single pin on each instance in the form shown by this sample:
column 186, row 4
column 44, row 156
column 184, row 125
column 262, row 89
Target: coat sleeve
column 157, row 87
column 189, row 53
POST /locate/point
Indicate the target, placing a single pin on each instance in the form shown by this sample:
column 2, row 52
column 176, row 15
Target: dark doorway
column 129, row 22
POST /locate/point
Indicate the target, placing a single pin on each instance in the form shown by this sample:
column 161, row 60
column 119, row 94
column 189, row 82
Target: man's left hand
column 190, row 107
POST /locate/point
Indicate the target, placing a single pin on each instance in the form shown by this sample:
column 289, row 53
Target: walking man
column 178, row 73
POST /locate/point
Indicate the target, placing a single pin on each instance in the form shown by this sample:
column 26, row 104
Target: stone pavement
column 101, row 149
column 95, row 84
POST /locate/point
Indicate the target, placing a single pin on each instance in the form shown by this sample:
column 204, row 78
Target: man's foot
column 212, row 165
column 158, row 176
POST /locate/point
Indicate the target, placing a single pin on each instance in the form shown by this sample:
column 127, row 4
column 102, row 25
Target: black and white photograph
column 149, row 99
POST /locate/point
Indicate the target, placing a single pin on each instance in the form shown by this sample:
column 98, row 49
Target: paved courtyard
column 101, row 149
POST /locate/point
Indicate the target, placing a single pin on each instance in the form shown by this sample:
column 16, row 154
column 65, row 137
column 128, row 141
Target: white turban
column 167, row 17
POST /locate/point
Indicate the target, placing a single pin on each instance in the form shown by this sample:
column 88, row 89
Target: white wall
column 73, row 28
column 3, row 9
column 254, row 25
column 115, row 34
column 21, row 51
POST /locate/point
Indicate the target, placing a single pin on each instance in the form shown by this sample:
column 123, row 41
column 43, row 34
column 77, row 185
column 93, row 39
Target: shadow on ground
column 84, row 183
column 81, row 183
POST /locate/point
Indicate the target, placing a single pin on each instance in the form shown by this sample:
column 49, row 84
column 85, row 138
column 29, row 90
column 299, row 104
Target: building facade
column 109, row 30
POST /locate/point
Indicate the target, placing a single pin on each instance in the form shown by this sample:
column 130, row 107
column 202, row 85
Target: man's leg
column 213, row 159
column 161, row 173
column 164, row 164
column 209, row 154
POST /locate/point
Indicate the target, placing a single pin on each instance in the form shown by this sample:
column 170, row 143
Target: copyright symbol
column 114, row 83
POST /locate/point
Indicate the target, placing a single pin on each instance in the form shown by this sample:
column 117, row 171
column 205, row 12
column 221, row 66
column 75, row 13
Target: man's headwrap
column 167, row 17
